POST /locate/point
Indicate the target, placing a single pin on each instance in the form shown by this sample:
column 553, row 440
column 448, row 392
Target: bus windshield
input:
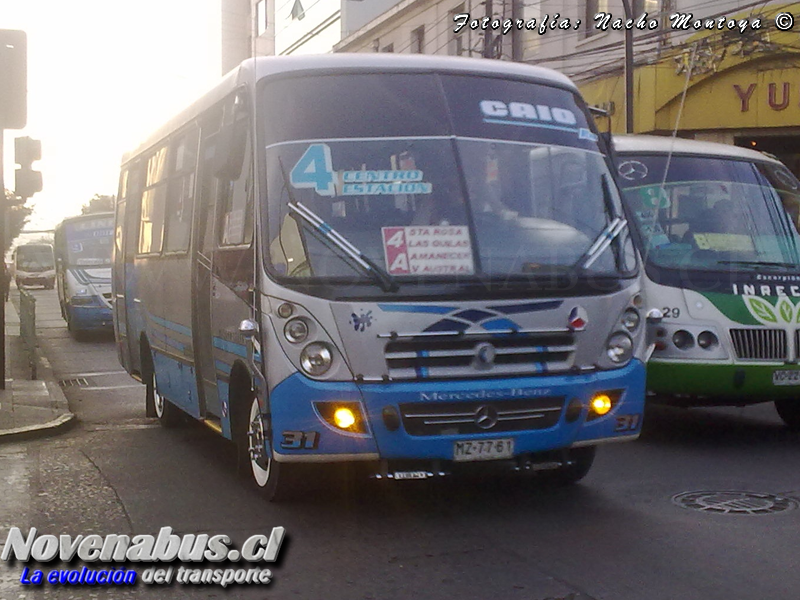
column 430, row 176
column 712, row 213
column 34, row 258
column 89, row 242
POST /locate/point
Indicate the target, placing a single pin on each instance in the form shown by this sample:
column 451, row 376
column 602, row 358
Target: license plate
column 786, row 377
column 470, row 450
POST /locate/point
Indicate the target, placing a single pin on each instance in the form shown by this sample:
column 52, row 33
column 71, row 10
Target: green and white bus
column 718, row 232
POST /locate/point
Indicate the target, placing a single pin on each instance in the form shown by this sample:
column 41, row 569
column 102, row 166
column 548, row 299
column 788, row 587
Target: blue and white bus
column 415, row 263
column 83, row 247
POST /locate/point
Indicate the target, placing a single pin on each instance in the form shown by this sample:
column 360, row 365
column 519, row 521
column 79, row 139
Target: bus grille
column 480, row 356
column 759, row 344
column 454, row 418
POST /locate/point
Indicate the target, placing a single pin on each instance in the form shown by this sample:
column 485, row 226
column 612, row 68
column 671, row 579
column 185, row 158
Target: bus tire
column 165, row 411
column 789, row 411
column 579, row 462
column 275, row 481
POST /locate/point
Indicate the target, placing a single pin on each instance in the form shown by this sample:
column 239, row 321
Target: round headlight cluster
column 296, row 331
column 316, row 359
column 631, row 319
column 682, row 339
column 707, row 340
column 619, row 348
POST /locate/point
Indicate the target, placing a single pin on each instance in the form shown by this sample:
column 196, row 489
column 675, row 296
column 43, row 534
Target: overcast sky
column 102, row 74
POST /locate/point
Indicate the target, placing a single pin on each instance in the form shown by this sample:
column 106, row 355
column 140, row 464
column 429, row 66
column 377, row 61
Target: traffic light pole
column 3, row 225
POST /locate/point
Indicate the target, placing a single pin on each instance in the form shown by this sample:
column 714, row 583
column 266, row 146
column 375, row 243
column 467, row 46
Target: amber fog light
column 603, row 403
column 342, row 415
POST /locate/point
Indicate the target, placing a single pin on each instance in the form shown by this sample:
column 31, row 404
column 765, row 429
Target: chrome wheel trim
column 260, row 461
column 158, row 399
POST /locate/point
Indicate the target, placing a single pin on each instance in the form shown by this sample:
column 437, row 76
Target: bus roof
column 656, row 144
column 254, row 69
column 88, row 217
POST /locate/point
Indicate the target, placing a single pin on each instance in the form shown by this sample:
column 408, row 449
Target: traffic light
column 27, row 181
column 13, row 79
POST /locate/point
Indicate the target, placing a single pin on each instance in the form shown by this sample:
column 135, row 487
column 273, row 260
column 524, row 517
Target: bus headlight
column 707, row 340
column 631, row 319
column 316, row 359
column 296, row 331
column 682, row 339
column 619, row 348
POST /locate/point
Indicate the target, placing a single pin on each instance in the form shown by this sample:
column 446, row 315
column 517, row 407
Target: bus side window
column 151, row 228
column 235, row 199
column 233, row 261
column 180, row 194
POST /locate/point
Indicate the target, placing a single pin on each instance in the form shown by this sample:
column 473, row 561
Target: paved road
column 617, row 536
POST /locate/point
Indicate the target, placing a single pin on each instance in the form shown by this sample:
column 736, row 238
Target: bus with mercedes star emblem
column 412, row 263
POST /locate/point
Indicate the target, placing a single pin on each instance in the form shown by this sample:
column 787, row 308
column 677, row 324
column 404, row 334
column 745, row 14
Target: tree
column 99, row 203
column 16, row 216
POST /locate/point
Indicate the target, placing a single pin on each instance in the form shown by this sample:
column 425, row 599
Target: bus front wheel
column 275, row 481
column 789, row 410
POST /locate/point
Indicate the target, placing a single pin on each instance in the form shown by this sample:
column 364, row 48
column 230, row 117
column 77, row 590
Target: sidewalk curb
column 61, row 424
column 56, row 426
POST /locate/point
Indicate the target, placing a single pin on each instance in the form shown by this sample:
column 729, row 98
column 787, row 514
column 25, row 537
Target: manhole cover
column 735, row 503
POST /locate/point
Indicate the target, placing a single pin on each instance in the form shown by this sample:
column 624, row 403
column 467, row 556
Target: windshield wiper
column 612, row 230
column 602, row 242
column 758, row 263
column 329, row 234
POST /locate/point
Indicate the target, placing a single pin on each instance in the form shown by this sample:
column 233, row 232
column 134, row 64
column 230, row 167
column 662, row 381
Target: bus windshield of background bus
column 434, row 176
column 34, row 259
column 712, row 213
column 89, row 243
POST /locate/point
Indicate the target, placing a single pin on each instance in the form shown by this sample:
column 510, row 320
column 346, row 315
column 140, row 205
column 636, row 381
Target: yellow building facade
column 731, row 86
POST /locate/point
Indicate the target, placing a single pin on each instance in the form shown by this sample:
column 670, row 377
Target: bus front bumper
column 85, row 318
column 723, row 384
column 522, row 416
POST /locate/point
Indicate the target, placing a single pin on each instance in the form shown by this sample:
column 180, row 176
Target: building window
column 418, row 40
column 298, row 12
column 388, row 48
column 639, row 7
column 455, row 46
column 593, row 7
column 261, row 17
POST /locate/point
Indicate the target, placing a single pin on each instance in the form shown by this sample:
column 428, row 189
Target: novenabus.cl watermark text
column 126, row 560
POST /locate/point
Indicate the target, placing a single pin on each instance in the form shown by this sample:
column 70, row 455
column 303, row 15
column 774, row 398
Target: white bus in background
column 34, row 265
column 718, row 227
column 83, row 247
